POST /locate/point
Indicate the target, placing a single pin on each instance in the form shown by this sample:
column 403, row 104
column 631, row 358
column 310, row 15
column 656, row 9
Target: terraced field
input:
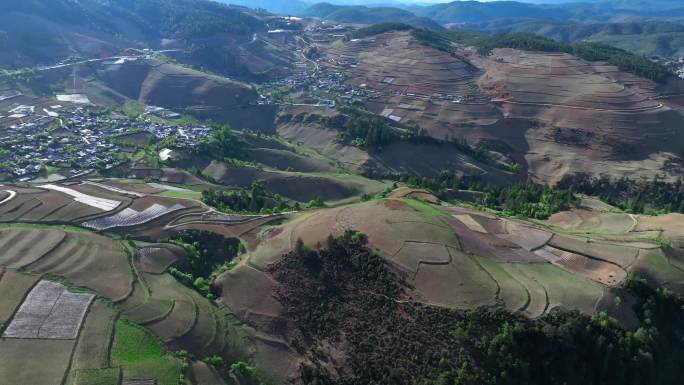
column 606, row 120
column 413, row 83
column 558, row 115
column 143, row 292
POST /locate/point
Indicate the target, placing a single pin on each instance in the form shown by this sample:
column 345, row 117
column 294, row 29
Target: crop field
column 53, row 356
column 156, row 259
column 593, row 117
column 600, row 271
column 49, row 312
column 668, row 225
column 20, row 248
column 14, row 286
column 563, row 288
column 104, row 376
column 89, row 260
column 511, row 292
column 387, row 223
column 141, row 356
column 460, row 284
column 92, row 349
column 586, row 221
column 43, row 205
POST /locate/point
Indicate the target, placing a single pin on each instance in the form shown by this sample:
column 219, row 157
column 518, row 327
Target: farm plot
column 156, row 259
column 130, row 217
column 141, row 356
column 623, row 256
column 92, row 349
column 50, row 311
column 21, row 247
column 511, row 292
column 460, row 284
column 657, row 269
column 564, row 289
column 90, row 260
column 48, row 363
column 491, row 245
column 118, row 190
column 13, row 286
column 90, row 200
column 596, row 270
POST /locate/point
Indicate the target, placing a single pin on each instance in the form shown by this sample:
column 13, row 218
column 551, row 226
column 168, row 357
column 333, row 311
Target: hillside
column 525, row 101
column 207, row 193
column 44, row 32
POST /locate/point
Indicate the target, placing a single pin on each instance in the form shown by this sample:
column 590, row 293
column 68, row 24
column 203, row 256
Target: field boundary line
column 28, row 291
column 490, row 275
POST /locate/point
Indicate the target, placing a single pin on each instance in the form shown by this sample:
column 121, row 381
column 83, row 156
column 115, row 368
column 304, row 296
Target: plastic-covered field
column 130, row 217
column 90, row 200
column 49, row 311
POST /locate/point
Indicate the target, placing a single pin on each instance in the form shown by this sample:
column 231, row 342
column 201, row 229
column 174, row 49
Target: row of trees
column 528, row 199
column 363, row 129
column 255, row 200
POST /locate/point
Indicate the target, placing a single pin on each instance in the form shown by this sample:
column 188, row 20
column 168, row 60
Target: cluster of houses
column 77, row 138
column 676, row 65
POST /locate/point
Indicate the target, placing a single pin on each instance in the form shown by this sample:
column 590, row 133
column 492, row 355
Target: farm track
column 11, row 196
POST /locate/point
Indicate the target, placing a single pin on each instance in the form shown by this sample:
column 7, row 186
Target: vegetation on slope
column 257, row 200
column 347, row 296
column 635, row 196
column 649, row 37
column 626, row 61
column 141, row 355
column 378, row 29
column 529, row 200
column 209, row 254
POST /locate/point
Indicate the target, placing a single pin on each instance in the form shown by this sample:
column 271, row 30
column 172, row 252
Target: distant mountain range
column 369, row 15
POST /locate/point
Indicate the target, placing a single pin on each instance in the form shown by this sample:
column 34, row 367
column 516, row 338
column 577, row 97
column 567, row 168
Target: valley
column 199, row 193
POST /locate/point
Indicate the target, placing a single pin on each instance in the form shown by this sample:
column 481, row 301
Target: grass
column 142, row 356
column 564, row 288
column 106, row 376
column 425, row 208
column 512, row 292
column 195, row 195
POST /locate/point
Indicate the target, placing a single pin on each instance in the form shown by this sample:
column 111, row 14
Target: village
column 36, row 140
